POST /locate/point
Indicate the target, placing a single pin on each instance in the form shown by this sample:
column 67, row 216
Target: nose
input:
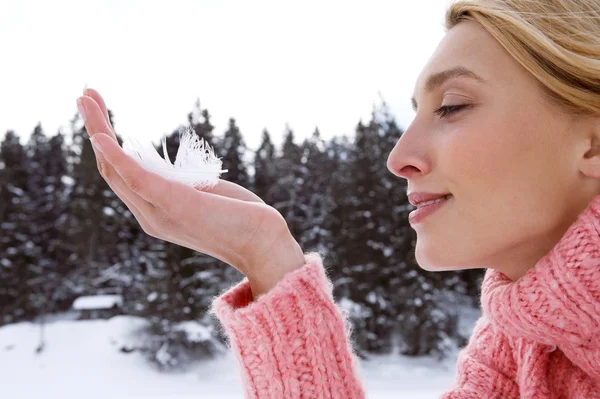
column 409, row 157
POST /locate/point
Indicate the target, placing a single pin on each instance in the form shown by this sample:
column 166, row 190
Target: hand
column 227, row 221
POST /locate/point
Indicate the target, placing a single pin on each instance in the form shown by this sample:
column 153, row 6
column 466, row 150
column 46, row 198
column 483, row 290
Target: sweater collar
column 558, row 299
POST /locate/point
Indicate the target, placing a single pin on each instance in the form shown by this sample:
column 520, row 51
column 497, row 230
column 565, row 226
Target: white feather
column 195, row 164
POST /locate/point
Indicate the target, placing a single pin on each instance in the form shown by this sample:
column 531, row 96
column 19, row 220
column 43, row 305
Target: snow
column 195, row 331
column 16, row 190
column 82, row 359
column 97, row 302
column 354, row 309
column 67, row 180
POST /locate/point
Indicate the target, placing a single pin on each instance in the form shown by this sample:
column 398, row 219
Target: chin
column 433, row 262
column 432, row 267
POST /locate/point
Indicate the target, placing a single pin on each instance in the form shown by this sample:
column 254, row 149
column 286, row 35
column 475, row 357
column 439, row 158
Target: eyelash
column 446, row 110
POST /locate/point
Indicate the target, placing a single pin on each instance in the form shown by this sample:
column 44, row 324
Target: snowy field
column 81, row 360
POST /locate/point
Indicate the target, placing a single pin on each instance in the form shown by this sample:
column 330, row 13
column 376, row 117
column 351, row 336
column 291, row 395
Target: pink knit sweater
column 538, row 337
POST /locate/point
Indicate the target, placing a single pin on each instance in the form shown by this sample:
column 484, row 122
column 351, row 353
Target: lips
column 426, row 208
column 420, row 197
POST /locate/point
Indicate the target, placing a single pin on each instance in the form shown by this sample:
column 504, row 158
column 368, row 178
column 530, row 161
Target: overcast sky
column 266, row 63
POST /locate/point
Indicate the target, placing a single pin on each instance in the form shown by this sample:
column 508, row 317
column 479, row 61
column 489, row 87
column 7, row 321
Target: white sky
column 266, row 63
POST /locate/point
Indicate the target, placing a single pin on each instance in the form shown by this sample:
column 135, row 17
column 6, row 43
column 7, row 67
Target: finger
column 150, row 186
column 228, row 189
column 94, row 95
column 145, row 213
column 94, row 119
column 134, row 203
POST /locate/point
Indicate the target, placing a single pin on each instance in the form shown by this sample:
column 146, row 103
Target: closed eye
column 446, row 110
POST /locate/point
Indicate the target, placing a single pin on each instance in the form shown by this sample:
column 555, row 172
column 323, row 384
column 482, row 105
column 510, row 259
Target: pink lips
column 417, row 197
column 423, row 211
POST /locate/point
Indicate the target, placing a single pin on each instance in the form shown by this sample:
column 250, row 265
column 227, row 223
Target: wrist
column 285, row 257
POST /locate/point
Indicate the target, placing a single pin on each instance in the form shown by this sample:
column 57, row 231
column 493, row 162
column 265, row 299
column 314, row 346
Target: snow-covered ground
column 81, row 360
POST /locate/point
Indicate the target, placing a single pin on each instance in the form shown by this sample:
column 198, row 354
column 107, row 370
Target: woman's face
column 512, row 160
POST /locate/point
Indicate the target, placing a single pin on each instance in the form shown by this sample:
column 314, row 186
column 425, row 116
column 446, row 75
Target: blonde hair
column 558, row 41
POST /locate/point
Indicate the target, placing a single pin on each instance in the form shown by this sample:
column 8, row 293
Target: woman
column 507, row 137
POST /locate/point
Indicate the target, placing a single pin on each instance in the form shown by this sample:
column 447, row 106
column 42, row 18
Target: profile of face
column 517, row 166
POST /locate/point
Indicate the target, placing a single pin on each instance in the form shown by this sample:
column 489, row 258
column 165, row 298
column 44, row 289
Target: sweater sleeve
column 486, row 367
column 292, row 342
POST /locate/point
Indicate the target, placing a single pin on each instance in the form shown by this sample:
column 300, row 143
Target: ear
column 590, row 162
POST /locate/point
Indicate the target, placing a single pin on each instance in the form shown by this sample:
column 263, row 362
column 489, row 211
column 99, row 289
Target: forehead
column 468, row 45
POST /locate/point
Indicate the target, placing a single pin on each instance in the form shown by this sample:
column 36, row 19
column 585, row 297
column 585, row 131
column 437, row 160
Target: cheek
column 485, row 156
column 482, row 163
column 498, row 172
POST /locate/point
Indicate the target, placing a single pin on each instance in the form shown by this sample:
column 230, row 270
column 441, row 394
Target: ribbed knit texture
column 538, row 337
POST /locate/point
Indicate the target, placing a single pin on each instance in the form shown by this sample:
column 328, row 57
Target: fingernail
column 96, row 144
column 81, row 108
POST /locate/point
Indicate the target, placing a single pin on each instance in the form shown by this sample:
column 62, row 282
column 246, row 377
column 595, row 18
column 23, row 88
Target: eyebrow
column 435, row 80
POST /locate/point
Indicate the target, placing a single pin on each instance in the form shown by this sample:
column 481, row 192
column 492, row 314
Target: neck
column 518, row 266
column 528, row 254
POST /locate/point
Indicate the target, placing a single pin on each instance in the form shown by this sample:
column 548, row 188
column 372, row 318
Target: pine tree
column 316, row 195
column 367, row 241
column 15, row 248
column 88, row 200
column 94, row 222
column 339, row 150
column 199, row 121
column 289, row 174
column 264, row 167
column 233, row 150
column 291, row 151
column 45, row 212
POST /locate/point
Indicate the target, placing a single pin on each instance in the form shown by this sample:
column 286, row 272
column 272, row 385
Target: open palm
column 227, row 221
